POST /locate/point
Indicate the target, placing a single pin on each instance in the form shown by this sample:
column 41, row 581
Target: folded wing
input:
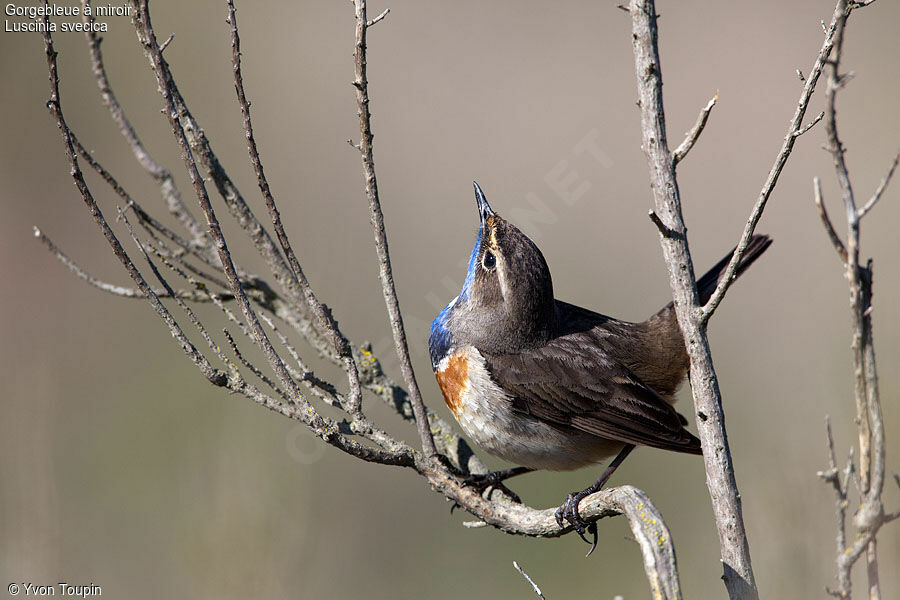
column 572, row 383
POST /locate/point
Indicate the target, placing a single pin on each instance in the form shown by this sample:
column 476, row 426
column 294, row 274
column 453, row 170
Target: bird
column 545, row 384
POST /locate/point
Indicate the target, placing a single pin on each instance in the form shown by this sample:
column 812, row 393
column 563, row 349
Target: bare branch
column 832, row 475
column 324, row 390
column 695, row 131
column 387, row 279
column 147, row 222
column 187, row 310
column 734, row 548
column 647, row 524
column 870, row 515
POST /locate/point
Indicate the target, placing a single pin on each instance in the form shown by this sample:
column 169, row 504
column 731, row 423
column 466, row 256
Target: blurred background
column 122, row 467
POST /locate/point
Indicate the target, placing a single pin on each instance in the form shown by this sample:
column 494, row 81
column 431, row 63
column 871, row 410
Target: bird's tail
column 665, row 361
column 706, row 285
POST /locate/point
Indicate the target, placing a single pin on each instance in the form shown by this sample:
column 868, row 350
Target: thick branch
column 735, row 551
column 647, row 525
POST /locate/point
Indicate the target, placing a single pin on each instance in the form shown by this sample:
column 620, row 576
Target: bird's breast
column 453, row 378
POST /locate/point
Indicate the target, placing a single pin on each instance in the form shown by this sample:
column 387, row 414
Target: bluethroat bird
column 549, row 385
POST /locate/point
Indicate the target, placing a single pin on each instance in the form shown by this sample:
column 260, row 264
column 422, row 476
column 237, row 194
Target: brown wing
column 571, row 382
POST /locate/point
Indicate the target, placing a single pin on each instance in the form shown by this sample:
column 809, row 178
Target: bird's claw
column 489, row 481
column 568, row 511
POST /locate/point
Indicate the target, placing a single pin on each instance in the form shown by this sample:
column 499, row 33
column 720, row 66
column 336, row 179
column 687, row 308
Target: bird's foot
column 481, row 482
column 568, row 511
column 492, row 481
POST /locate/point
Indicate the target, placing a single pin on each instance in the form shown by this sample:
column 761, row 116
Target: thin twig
column 165, row 44
column 383, row 14
column 881, row 187
column 826, row 221
column 694, row 134
column 387, row 279
column 187, row 309
column 833, row 476
column 146, row 221
column 110, row 288
column 786, row 147
column 810, row 125
column 534, row 586
column 253, row 368
column 321, row 388
column 162, row 176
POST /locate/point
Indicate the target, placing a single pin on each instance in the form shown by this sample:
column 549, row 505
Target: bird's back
column 654, row 349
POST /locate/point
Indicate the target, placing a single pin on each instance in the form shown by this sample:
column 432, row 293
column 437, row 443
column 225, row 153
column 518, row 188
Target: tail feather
column 706, row 285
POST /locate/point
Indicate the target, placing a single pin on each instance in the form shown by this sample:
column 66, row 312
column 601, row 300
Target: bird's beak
column 484, row 209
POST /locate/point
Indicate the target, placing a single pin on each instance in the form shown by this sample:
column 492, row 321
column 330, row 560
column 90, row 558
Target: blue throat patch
column 440, row 341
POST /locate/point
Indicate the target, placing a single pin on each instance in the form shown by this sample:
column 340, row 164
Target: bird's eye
column 489, row 261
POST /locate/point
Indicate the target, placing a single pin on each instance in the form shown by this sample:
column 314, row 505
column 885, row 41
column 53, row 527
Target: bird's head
column 506, row 303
